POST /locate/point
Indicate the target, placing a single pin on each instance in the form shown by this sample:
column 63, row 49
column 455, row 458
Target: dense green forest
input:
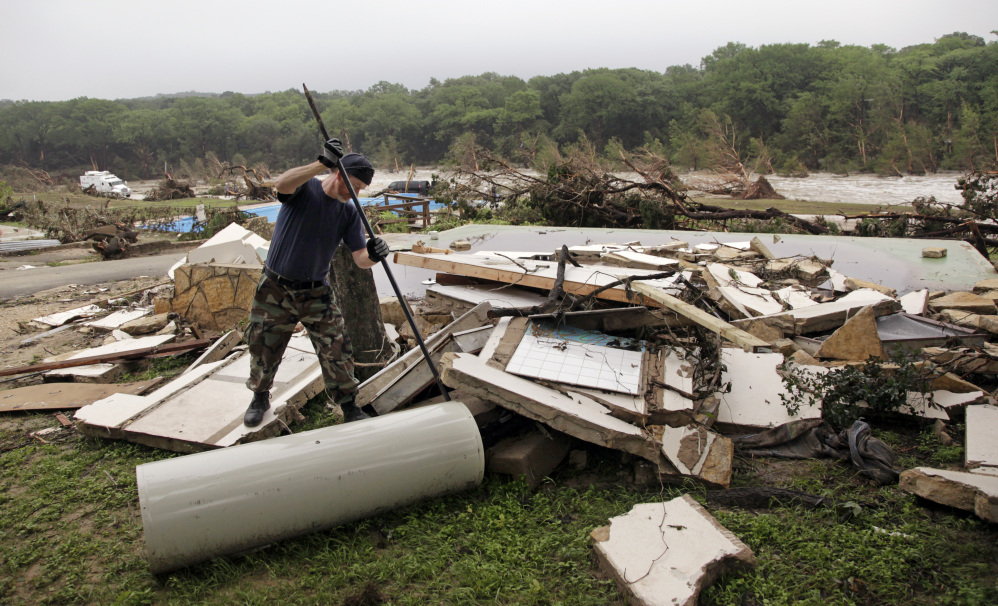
column 789, row 107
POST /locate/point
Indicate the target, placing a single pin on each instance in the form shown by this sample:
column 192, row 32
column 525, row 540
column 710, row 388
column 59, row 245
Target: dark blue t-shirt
column 310, row 225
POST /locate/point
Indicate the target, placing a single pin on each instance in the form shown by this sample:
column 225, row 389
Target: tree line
column 786, row 107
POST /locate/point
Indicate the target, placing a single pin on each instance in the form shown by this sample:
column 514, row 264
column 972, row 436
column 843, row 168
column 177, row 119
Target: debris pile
column 171, row 189
column 680, row 357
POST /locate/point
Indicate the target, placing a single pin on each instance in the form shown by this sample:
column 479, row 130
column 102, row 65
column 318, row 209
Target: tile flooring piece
column 566, row 356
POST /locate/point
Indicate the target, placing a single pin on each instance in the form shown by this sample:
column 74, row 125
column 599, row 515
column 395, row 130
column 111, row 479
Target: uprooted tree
column 579, row 190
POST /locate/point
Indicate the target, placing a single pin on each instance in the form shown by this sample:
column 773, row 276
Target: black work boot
column 259, row 405
column 352, row 412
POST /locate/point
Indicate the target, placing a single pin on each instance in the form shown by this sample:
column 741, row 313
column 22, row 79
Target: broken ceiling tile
column 665, row 554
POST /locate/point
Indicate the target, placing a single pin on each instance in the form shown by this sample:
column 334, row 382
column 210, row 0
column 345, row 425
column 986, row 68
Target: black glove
column 377, row 249
column 332, row 151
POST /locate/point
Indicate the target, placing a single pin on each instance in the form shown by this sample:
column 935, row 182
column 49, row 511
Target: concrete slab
column 667, row 553
column 977, row 493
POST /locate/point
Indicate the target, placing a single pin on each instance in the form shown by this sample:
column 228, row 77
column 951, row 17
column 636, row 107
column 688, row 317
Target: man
column 315, row 217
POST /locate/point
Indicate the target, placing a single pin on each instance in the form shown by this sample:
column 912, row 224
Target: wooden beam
column 578, row 281
column 739, row 337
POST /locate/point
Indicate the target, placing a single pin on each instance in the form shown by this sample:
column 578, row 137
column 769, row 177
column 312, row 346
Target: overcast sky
column 53, row 50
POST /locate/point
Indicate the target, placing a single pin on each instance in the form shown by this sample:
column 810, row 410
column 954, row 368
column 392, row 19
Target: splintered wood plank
column 60, row 396
column 739, row 337
column 535, row 274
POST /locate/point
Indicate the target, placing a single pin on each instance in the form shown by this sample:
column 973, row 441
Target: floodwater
column 869, row 189
column 817, row 187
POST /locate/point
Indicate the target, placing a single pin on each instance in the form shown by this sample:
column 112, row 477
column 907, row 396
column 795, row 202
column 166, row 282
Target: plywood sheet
column 60, row 396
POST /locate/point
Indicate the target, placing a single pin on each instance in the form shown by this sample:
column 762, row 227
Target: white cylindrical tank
column 209, row 504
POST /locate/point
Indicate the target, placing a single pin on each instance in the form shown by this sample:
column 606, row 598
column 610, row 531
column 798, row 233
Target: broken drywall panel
column 473, row 340
column 58, row 319
column 234, row 244
column 795, row 297
column 410, row 383
column 535, row 274
column 218, row 350
column 118, row 318
column 727, row 275
column 462, row 297
column 836, row 280
column 532, row 455
column 829, row 316
column 754, row 401
column 508, row 343
column 578, row 416
column 636, row 260
column 977, row 493
column 621, row 405
column 939, row 403
column 732, row 333
column 474, row 318
column 677, row 373
column 106, row 416
column 576, row 357
column 698, row 453
column 61, row 396
column 915, row 303
column 981, row 445
column 751, row 302
column 204, row 409
column 495, row 338
column 665, row 554
column 104, row 372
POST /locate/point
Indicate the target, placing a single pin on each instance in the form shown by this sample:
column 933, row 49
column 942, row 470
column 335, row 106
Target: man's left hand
column 377, row 249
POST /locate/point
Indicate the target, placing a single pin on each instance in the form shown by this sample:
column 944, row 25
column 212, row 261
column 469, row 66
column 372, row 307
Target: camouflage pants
column 275, row 312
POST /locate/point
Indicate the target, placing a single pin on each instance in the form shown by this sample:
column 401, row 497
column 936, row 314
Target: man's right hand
column 332, row 151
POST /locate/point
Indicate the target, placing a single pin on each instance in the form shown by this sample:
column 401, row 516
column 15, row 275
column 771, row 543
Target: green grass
column 72, row 534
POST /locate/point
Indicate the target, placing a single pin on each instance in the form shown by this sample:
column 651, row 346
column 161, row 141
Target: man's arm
column 372, row 254
column 292, row 179
column 363, row 261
